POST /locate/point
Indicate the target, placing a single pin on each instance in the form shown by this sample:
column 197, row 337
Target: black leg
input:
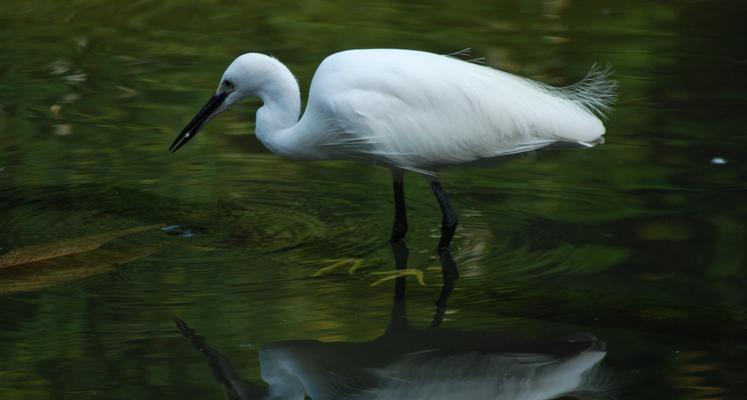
column 399, row 229
column 449, row 220
column 450, row 275
column 398, row 319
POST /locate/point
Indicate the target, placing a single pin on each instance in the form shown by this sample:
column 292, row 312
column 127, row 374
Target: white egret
column 409, row 110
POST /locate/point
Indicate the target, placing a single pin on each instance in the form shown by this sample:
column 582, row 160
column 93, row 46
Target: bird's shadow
column 407, row 362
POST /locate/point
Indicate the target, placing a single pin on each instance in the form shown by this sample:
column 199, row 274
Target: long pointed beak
column 196, row 123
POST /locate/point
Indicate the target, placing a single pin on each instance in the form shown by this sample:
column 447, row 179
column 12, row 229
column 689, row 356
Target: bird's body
column 410, row 110
column 418, row 111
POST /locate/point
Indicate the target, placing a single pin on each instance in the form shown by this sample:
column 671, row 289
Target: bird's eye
column 229, row 84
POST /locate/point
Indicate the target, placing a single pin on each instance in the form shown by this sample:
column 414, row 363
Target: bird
column 409, row 110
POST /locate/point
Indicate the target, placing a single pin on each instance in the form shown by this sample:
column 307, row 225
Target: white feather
column 418, row 110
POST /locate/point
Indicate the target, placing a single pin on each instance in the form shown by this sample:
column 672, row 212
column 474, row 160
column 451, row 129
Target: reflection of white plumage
column 413, row 364
column 409, row 110
column 410, row 363
column 358, row 371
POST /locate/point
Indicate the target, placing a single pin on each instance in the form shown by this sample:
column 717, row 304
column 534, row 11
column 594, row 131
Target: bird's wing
column 418, row 110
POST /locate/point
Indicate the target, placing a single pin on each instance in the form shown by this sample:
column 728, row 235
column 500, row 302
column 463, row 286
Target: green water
column 640, row 242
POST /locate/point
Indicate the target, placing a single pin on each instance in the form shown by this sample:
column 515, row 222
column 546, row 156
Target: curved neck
column 281, row 107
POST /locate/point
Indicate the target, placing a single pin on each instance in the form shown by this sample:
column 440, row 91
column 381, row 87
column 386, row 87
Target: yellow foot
column 391, row 275
column 354, row 263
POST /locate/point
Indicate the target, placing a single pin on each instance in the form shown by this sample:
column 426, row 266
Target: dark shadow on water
column 406, row 362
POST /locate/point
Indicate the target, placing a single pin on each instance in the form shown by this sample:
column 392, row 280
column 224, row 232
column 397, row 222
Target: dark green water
column 640, row 242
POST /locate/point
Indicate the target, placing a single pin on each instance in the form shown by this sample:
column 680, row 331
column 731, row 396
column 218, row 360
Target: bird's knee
column 399, row 230
column 449, row 223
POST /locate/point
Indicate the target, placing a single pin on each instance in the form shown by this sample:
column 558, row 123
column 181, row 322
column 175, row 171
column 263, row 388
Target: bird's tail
column 592, row 143
column 596, row 92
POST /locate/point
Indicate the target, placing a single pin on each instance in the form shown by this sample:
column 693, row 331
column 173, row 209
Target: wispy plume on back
column 596, row 92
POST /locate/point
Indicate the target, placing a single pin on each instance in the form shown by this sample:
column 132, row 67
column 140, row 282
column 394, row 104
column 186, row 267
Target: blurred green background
column 640, row 241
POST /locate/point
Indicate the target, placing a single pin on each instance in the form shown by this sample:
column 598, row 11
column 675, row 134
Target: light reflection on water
column 639, row 241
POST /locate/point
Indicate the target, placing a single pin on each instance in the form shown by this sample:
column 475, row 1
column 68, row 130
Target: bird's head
column 243, row 78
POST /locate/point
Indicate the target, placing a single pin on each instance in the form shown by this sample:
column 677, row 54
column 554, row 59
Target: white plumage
column 418, row 110
column 411, row 110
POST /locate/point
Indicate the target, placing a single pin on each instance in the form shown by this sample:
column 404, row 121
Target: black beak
column 196, row 123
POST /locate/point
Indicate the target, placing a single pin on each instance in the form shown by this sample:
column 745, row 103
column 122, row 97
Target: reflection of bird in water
column 408, row 110
column 410, row 363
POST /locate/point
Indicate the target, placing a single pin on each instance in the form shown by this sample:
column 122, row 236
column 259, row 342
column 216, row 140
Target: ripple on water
column 224, row 229
column 312, row 223
column 543, row 231
column 36, row 216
